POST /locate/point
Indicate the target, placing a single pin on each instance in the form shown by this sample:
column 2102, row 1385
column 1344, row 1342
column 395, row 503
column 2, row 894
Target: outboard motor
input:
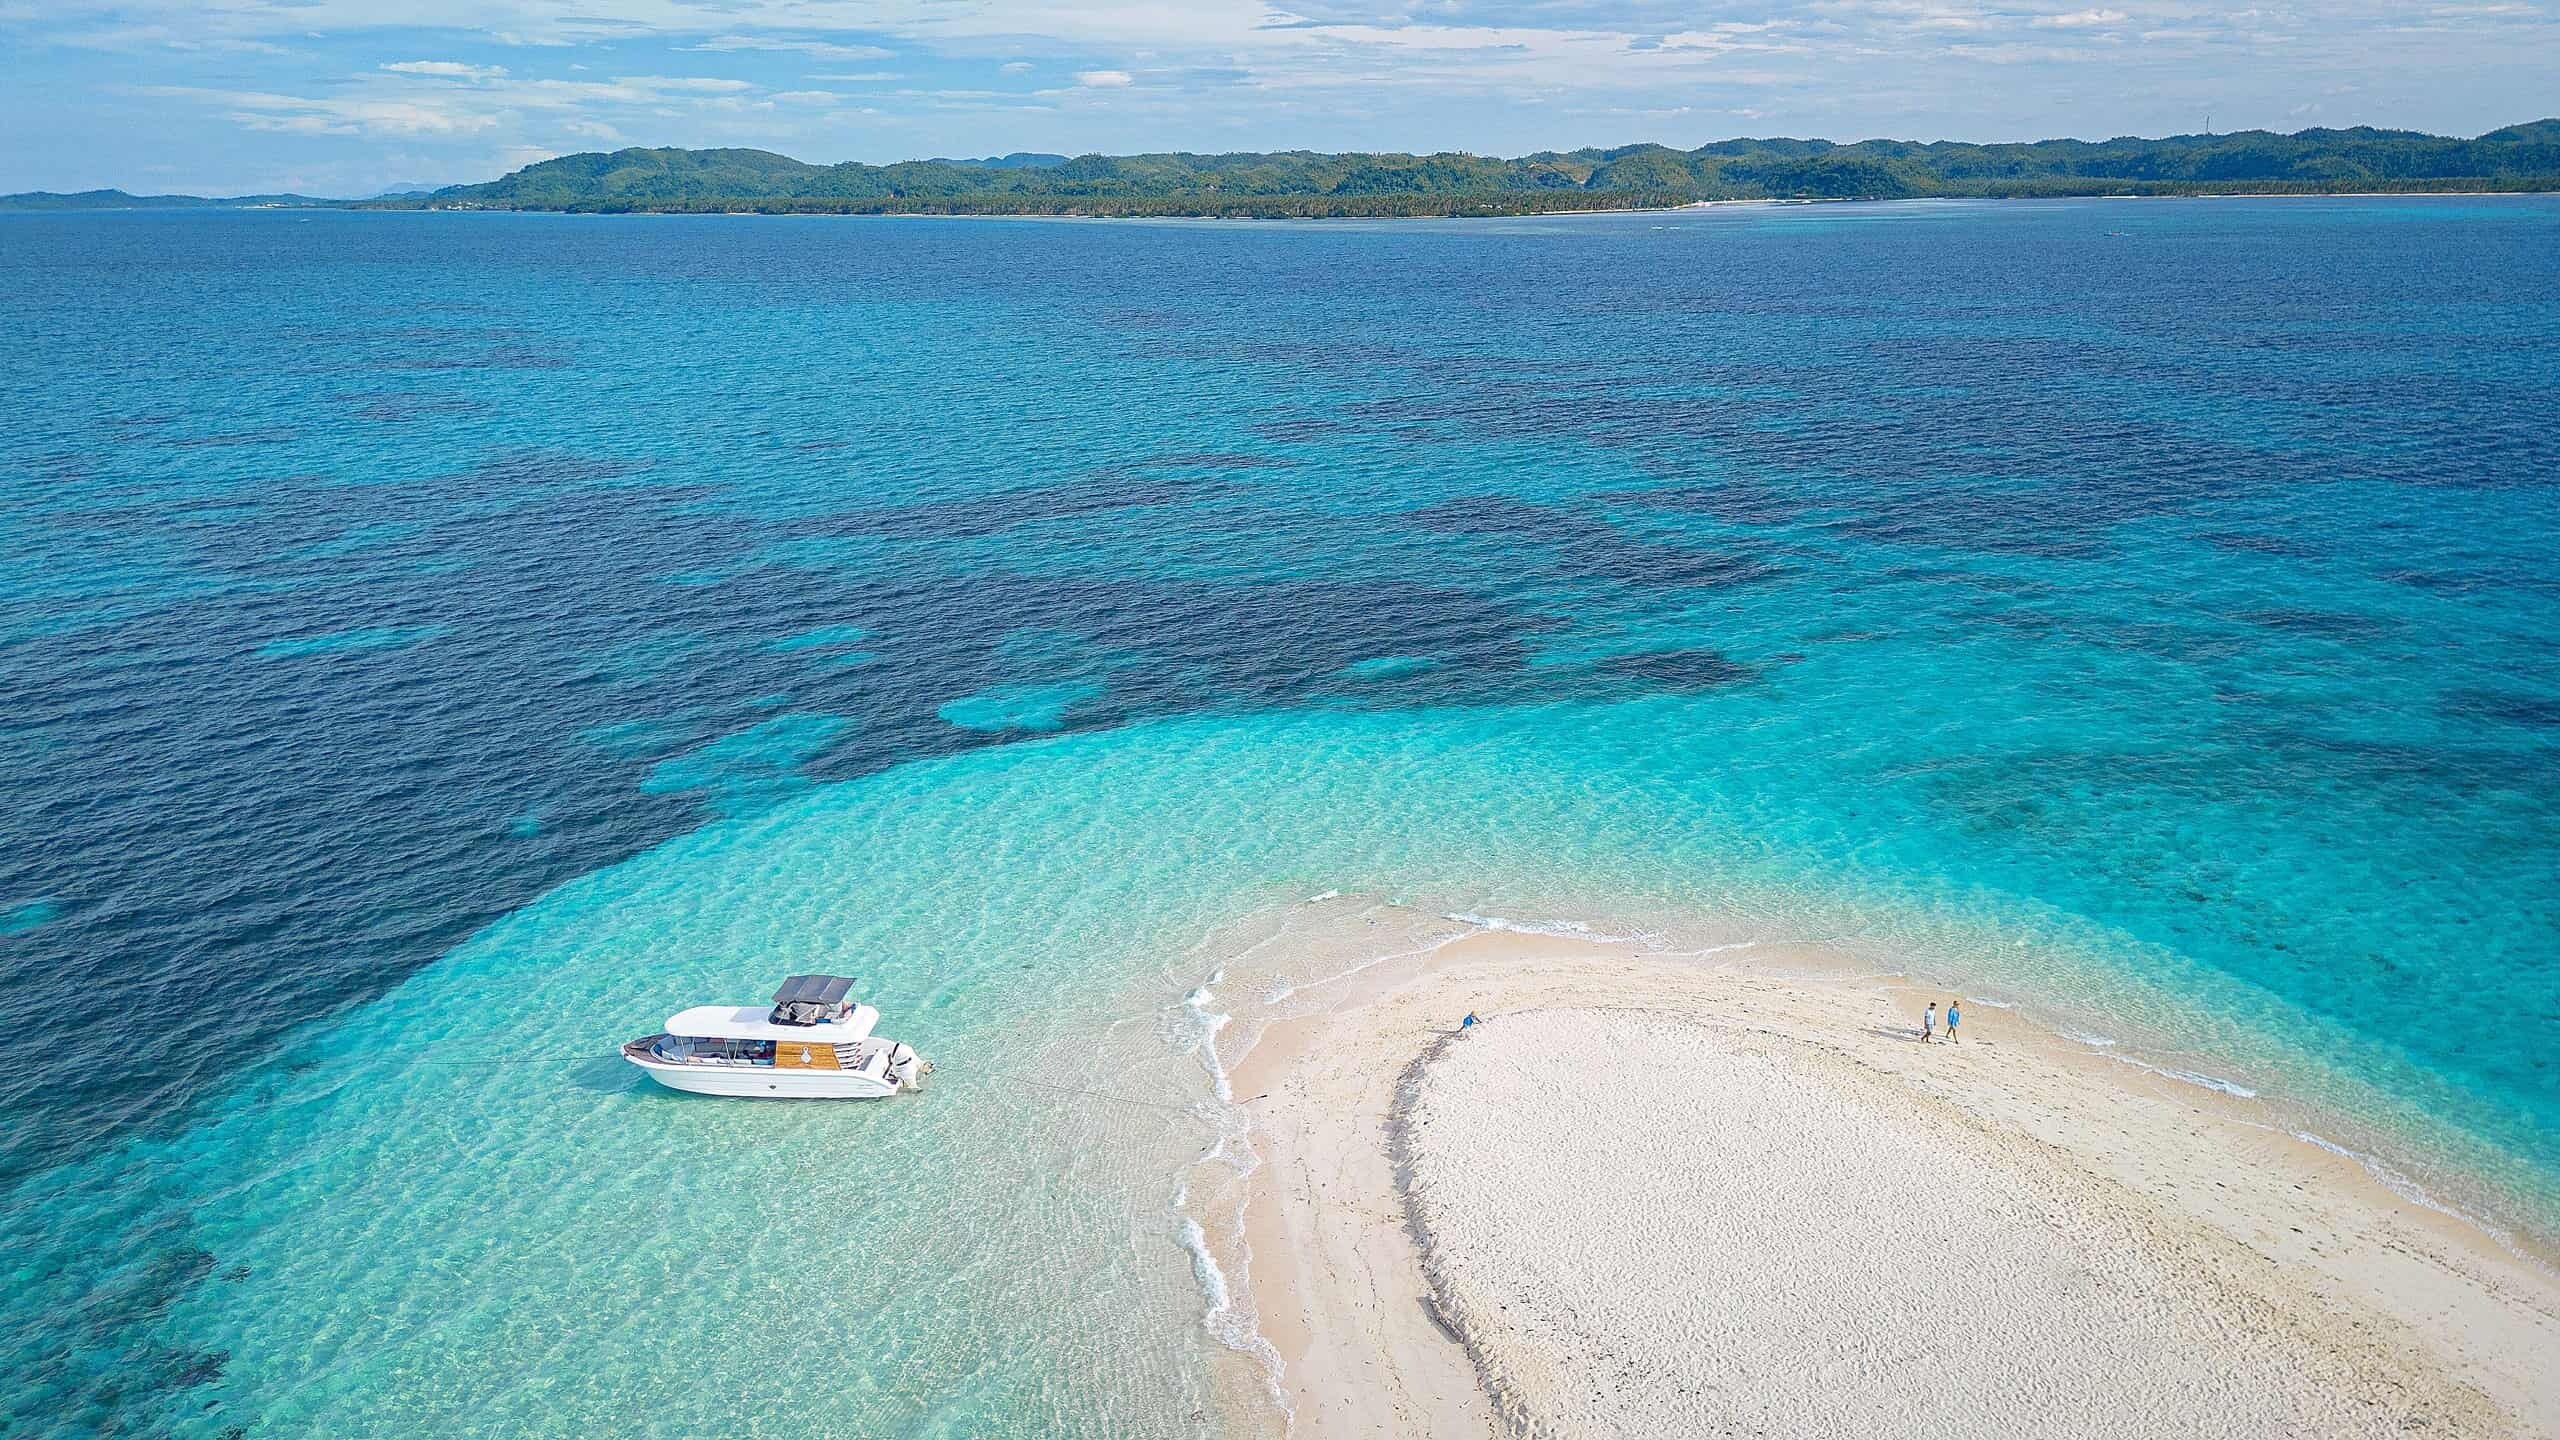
column 906, row 1067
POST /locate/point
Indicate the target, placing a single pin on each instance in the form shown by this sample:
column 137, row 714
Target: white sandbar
column 1651, row 1197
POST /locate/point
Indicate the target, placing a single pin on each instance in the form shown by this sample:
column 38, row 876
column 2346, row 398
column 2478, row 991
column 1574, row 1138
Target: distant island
column 119, row 200
column 1306, row 184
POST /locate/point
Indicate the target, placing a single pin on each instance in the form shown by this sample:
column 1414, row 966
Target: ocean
column 438, row 646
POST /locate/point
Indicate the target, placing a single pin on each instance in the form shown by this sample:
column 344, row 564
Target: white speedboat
column 812, row 1043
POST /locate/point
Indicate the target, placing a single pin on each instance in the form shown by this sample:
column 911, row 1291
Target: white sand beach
column 1651, row 1196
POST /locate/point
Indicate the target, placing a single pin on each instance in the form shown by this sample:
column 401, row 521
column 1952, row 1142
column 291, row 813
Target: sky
column 352, row 97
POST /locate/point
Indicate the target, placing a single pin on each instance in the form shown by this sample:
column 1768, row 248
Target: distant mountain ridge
column 119, row 200
column 1018, row 160
column 1310, row 183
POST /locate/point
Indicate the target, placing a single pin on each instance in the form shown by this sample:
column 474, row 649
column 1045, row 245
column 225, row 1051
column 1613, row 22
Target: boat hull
column 761, row 1082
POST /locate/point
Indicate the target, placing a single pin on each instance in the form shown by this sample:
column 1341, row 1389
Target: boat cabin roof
column 755, row 1022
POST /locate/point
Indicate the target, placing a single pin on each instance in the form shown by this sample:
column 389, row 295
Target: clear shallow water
column 2152, row 625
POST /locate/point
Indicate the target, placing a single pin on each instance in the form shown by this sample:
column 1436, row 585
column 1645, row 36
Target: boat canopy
column 813, row 990
column 752, row 1022
column 809, row 999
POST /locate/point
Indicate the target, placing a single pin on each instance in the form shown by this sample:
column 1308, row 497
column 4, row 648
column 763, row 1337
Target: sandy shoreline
column 1089, row 218
column 1390, row 1266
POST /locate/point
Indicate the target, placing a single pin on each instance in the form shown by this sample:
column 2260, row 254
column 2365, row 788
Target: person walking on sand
column 1953, row 1015
column 1929, row 1023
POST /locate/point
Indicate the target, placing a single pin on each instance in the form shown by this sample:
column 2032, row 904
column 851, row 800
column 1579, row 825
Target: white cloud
column 794, row 45
column 684, row 84
column 339, row 115
column 402, row 101
column 2023, row 54
column 1016, row 67
column 145, row 38
column 1104, row 79
column 2081, row 19
column 447, row 69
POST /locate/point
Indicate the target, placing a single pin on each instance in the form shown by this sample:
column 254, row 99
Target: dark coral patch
column 1698, row 669
column 1734, row 502
column 968, row 517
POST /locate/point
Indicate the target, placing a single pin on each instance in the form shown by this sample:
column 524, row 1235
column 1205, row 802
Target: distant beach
column 1676, row 1195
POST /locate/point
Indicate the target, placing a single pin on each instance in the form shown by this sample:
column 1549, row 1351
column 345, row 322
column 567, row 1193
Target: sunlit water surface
column 437, row 647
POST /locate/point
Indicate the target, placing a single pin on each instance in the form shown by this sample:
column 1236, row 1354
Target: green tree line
column 1306, row 183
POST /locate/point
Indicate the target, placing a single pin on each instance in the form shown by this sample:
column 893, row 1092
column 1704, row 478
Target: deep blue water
column 2183, row 570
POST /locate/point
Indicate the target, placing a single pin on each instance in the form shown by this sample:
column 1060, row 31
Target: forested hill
column 1305, row 183
column 1298, row 182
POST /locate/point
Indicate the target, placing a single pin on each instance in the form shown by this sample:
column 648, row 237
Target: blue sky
column 350, row 96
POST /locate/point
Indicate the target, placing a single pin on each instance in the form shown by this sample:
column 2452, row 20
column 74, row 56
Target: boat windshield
column 717, row 1052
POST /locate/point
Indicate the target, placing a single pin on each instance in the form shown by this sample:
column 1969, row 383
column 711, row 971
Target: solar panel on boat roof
column 813, row 990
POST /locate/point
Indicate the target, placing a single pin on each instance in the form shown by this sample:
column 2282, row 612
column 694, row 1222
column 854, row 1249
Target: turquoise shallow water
column 449, row 634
